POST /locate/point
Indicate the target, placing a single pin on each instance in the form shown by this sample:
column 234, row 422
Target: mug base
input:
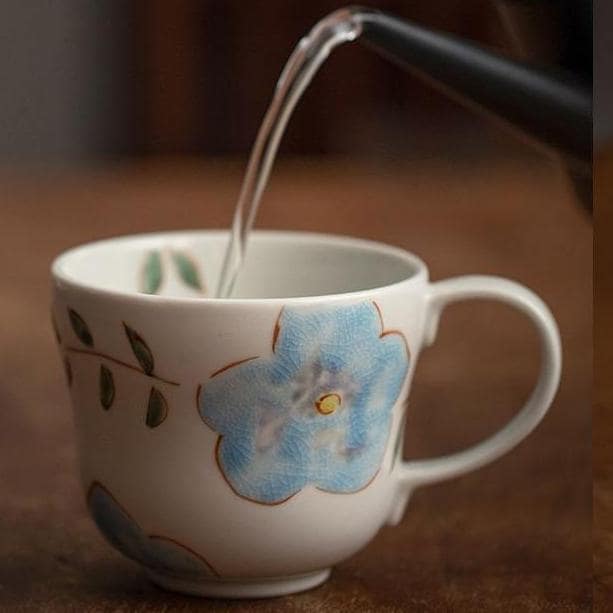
column 241, row 588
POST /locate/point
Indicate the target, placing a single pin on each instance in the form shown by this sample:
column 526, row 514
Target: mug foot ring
column 241, row 588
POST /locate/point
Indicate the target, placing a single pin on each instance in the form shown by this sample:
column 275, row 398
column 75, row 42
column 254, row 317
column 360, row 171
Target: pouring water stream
column 341, row 26
column 553, row 107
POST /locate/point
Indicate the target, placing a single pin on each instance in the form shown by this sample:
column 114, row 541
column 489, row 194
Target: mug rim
column 62, row 279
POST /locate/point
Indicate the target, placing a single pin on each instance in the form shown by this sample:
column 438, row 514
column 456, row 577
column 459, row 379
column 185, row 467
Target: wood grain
column 514, row 536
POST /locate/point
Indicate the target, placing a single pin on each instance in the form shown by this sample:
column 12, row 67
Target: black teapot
column 552, row 104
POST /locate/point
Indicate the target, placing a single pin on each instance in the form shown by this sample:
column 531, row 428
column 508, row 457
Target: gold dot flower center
column 328, row 403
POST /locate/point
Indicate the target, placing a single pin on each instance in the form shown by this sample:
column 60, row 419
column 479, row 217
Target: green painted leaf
column 68, row 371
column 187, row 270
column 107, row 387
column 80, row 328
column 141, row 349
column 152, row 273
column 157, row 408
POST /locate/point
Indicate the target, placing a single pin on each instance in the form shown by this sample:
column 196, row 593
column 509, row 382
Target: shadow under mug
column 242, row 447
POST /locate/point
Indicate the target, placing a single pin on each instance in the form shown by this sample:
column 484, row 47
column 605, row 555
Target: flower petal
column 274, row 441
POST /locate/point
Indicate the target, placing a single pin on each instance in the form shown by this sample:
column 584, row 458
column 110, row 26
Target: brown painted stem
column 116, row 361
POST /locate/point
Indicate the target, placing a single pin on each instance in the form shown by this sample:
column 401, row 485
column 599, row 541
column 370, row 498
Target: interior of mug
column 278, row 265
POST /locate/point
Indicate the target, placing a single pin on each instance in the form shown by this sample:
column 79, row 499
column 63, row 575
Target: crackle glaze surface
column 217, row 437
column 316, row 411
column 156, row 552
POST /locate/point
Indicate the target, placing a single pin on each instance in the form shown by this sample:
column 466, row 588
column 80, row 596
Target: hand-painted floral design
column 157, row 553
column 317, row 412
column 157, row 406
column 161, row 266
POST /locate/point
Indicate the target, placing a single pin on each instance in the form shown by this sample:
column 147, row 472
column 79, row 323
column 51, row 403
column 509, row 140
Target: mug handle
column 410, row 475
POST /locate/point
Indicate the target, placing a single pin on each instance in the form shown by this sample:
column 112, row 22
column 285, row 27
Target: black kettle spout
column 553, row 107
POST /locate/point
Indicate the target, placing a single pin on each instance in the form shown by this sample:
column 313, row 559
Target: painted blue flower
column 318, row 411
column 157, row 553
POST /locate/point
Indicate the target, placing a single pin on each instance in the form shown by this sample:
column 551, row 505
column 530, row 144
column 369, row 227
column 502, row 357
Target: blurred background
column 122, row 116
column 86, row 81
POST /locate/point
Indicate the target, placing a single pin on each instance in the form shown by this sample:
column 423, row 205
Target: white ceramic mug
column 242, row 447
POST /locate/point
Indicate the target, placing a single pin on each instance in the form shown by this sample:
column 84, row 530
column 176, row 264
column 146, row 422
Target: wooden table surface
column 603, row 385
column 514, row 536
